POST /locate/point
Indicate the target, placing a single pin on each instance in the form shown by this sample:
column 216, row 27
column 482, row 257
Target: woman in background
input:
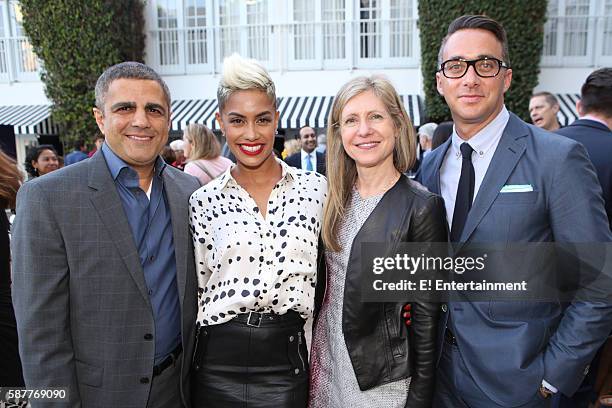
column 203, row 153
column 255, row 231
column 10, row 374
column 41, row 160
column 363, row 354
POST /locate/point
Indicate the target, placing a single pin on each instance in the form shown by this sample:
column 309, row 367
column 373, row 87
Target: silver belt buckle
column 257, row 316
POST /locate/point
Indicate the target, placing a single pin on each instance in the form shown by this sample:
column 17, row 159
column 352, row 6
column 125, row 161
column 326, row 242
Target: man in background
column 307, row 158
column 593, row 128
column 321, row 143
column 543, row 109
column 79, row 153
column 98, row 141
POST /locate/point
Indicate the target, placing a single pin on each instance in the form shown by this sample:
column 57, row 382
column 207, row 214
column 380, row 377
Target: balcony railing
column 578, row 41
column 291, row 46
column 17, row 60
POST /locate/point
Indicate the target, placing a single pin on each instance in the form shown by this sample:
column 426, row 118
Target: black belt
column 449, row 337
column 168, row 361
column 255, row 319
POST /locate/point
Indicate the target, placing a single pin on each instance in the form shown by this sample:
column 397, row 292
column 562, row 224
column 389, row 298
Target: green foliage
column 76, row 40
column 524, row 24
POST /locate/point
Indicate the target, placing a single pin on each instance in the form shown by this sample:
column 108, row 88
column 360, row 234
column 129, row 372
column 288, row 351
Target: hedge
column 524, row 24
column 76, row 40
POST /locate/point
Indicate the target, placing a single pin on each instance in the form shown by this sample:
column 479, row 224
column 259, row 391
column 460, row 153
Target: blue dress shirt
column 151, row 227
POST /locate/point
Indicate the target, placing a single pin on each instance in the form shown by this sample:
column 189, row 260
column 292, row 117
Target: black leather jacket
column 406, row 213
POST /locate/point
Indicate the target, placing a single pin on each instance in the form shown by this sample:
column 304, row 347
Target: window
column 3, row 46
column 352, row 33
column 181, row 36
column 17, row 60
column 195, row 23
column 569, row 33
column 318, row 34
column 370, row 33
column 607, row 33
column 244, row 28
column 387, row 33
column 168, row 41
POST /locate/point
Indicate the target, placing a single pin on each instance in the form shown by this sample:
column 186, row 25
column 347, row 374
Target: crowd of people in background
column 185, row 271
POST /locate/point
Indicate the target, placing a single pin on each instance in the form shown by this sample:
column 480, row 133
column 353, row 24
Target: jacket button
column 444, row 308
column 144, row 380
column 148, row 336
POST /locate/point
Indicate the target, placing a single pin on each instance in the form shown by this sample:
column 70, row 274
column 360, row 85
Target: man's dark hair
column 479, row 22
column 306, row 126
column 99, row 136
column 127, row 70
column 79, row 144
column 550, row 98
column 596, row 93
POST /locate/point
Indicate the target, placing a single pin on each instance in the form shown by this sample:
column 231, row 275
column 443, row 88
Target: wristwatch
column 545, row 392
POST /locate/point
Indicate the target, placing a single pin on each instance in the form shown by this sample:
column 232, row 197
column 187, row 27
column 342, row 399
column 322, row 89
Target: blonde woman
column 291, row 147
column 362, row 353
column 203, row 153
column 255, row 230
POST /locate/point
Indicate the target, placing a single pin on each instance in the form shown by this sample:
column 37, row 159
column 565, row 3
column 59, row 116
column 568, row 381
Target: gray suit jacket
column 509, row 347
column 79, row 291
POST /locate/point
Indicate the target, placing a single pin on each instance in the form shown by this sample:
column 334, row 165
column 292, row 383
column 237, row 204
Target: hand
column 406, row 314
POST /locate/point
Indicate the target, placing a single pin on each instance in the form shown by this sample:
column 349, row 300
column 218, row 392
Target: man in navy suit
column 503, row 180
column 593, row 129
column 308, row 158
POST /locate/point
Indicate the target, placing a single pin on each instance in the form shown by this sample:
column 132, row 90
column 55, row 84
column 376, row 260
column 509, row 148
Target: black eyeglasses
column 486, row 67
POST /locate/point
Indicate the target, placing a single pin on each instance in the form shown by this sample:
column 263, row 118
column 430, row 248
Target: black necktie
column 465, row 192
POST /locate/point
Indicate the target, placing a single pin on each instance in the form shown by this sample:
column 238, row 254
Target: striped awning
column 567, row 112
column 295, row 111
column 28, row 119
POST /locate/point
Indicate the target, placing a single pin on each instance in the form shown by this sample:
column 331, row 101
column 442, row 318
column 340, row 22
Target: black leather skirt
column 254, row 360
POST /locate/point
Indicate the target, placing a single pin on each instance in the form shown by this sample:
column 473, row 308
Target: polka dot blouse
column 246, row 262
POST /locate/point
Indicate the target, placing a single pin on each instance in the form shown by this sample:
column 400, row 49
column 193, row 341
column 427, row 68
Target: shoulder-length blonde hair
column 204, row 144
column 341, row 169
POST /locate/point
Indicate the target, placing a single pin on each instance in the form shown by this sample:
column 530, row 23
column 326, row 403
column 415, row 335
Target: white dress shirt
column 246, row 262
column 484, row 144
column 313, row 159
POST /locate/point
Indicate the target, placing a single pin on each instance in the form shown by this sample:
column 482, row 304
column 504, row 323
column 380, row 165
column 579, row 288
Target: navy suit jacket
column 295, row 160
column 597, row 140
column 509, row 347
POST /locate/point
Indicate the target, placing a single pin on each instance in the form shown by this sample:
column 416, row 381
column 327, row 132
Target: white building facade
column 310, row 47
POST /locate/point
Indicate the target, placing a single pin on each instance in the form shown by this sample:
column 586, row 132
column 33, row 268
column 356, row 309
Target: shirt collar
column 287, row 173
column 594, row 119
column 305, row 153
column 116, row 164
column 487, row 137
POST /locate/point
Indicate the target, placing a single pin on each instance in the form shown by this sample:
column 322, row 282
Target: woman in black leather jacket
column 362, row 354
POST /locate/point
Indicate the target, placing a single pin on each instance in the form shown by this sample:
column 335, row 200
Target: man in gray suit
column 503, row 180
column 104, row 283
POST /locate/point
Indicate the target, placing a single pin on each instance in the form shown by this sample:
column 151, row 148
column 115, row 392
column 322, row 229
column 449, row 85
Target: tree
column 524, row 24
column 76, row 40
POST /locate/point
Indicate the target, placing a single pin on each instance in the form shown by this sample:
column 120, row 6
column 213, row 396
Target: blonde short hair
column 240, row 74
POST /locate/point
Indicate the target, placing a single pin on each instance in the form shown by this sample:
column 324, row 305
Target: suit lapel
column 509, row 150
column 438, row 160
column 178, row 202
column 107, row 203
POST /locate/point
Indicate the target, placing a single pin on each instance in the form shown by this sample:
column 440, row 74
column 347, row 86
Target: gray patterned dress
column 333, row 381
